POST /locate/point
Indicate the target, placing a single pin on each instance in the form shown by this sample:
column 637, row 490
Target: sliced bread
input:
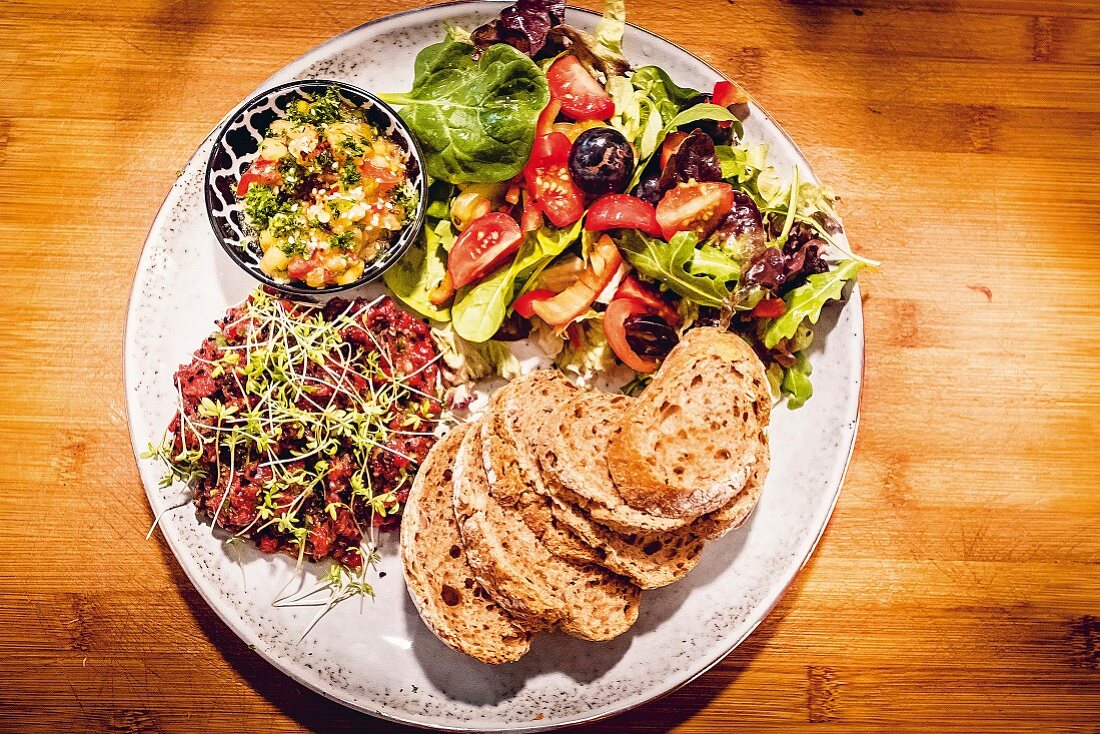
column 440, row 581
column 572, row 451
column 690, row 443
column 514, row 411
column 520, row 572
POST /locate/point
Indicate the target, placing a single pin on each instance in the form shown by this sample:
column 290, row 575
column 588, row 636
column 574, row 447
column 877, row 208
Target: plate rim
column 766, row 608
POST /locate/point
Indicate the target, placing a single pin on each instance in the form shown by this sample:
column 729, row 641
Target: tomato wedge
column 486, row 243
column 671, row 145
column 622, row 211
column 632, row 289
column 614, row 327
column 603, row 263
column 524, row 304
column 728, row 93
column 548, row 181
column 384, row 178
column 581, row 96
column 694, row 207
column 262, row 171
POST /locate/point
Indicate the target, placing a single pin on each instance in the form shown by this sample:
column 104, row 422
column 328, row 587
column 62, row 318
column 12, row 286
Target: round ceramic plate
column 377, row 656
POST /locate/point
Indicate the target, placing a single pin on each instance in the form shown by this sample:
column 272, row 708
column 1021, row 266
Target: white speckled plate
column 380, row 658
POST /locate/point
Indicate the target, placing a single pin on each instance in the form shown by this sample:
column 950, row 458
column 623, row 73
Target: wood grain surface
column 958, row 585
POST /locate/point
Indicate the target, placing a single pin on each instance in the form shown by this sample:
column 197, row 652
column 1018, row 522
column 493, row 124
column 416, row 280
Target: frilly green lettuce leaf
column 805, row 302
column 796, row 383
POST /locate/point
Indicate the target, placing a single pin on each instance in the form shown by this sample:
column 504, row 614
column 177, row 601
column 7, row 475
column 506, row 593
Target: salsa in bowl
column 315, row 187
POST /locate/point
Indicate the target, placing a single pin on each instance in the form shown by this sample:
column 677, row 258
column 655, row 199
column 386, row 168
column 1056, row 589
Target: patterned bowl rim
column 375, row 269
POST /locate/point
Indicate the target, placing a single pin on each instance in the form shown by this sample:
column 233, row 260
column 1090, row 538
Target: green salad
column 599, row 209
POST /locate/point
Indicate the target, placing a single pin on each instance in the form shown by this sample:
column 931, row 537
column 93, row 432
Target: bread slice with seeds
column 690, row 443
column 440, row 581
column 520, row 572
column 517, row 411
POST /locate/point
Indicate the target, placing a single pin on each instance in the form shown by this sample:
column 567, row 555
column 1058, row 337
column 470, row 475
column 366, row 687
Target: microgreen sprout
column 296, row 414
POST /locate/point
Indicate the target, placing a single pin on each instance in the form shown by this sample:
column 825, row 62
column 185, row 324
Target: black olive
column 601, row 161
column 649, row 189
column 649, row 336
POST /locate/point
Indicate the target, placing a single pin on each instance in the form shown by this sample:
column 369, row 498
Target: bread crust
column 520, row 572
column 439, row 580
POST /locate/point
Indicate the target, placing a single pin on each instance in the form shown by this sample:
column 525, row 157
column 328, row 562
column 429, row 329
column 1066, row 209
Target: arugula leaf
column 479, row 309
column 796, row 383
column 703, row 276
column 474, row 119
column 807, row 300
column 420, row 270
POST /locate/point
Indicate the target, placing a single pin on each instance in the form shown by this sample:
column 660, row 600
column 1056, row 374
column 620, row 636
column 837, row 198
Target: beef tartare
column 301, row 427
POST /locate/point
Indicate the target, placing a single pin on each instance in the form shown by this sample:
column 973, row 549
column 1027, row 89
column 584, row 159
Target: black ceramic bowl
column 238, row 143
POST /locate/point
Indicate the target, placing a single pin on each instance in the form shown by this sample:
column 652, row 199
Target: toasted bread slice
column 520, row 572
column 690, row 443
column 440, row 581
column 572, row 451
column 650, row 560
column 734, row 513
column 517, row 410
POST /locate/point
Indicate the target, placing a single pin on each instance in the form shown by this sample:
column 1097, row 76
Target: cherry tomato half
column 262, row 171
column 622, row 211
column 548, row 181
column 581, row 96
column 486, row 243
column 694, row 207
column 614, row 327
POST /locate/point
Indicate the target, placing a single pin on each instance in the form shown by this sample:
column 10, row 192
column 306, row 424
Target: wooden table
column 958, row 585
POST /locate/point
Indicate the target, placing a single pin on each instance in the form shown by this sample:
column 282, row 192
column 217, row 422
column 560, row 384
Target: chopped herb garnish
column 260, row 205
column 350, row 175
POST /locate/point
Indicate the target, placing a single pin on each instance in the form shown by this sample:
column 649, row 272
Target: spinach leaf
column 420, row 270
column 807, row 300
column 704, row 276
column 474, row 119
column 479, row 309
